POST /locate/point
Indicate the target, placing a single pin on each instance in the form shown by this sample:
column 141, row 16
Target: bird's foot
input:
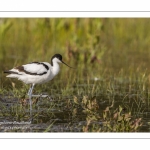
column 42, row 96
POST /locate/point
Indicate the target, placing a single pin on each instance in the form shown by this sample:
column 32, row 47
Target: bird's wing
column 34, row 68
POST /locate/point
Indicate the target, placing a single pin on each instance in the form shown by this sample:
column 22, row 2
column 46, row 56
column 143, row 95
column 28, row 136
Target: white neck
column 55, row 68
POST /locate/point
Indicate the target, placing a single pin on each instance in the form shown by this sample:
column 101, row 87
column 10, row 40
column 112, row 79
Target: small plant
column 109, row 120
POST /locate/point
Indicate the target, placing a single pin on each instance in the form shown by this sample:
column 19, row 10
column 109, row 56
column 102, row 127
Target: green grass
column 111, row 57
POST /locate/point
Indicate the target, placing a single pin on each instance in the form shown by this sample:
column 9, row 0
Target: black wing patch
column 41, row 64
column 21, row 69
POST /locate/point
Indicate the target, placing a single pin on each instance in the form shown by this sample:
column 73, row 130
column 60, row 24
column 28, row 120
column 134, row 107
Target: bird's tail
column 10, row 72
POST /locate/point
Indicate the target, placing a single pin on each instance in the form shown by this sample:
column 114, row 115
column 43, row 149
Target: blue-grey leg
column 30, row 90
column 30, row 100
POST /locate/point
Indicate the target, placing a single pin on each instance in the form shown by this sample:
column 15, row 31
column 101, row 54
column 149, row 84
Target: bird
column 36, row 73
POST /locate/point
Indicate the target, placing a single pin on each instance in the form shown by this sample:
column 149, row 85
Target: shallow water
column 70, row 112
column 62, row 114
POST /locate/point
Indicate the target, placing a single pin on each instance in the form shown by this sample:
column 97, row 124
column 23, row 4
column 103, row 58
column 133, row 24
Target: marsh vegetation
column 108, row 92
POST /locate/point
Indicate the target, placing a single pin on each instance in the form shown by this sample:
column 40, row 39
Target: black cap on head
column 58, row 56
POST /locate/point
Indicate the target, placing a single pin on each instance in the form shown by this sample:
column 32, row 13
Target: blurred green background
column 112, row 75
column 97, row 47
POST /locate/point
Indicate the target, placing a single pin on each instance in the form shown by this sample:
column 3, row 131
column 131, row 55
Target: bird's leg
column 30, row 90
column 30, row 96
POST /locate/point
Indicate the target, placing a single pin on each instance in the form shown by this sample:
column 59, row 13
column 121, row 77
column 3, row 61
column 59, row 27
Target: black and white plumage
column 36, row 72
